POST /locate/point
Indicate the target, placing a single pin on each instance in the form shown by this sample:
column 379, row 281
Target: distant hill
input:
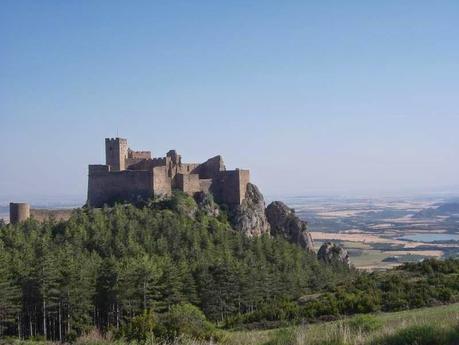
column 446, row 209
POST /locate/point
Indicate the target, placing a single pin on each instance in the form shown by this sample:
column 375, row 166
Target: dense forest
column 106, row 268
column 103, row 267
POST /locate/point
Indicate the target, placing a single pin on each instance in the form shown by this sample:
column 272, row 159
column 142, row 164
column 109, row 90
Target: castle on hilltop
column 129, row 175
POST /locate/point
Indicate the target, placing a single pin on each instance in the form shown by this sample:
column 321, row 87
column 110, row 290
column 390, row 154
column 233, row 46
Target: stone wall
column 98, row 169
column 41, row 214
column 161, row 182
column 148, row 164
column 188, row 183
column 210, row 168
column 188, row 168
column 139, row 154
column 109, row 187
column 244, row 179
column 230, row 186
column 205, row 185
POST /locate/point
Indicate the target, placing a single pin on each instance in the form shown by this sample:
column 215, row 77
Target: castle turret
column 116, row 153
column 19, row 212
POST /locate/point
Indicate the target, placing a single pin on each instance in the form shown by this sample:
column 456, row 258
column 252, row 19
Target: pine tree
column 9, row 296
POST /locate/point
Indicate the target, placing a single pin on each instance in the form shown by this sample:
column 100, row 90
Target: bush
column 364, row 323
column 186, row 319
column 140, row 328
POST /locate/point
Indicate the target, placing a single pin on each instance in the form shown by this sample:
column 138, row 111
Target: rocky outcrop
column 284, row 222
column 207, row 204
column 249, row 217
column 331, row 253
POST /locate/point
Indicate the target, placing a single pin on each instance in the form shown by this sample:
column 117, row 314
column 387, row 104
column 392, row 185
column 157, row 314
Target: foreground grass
column 383, row 328
column 427, row 326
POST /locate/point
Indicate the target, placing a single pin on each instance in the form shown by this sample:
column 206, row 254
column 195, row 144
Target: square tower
column 116, row 153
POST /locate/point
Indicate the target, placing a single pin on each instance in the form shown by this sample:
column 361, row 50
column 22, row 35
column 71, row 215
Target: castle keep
column 129, row 175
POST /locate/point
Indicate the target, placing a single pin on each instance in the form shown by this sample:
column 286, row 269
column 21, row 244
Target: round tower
column 19, row 212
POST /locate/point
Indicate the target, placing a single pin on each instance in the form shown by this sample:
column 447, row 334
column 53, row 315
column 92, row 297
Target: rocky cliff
column 253, row 219
column 249, row 217
column 207, row 204
column 284, row 222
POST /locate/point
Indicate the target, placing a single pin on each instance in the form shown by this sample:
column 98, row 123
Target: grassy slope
column 342, row 332
column 330, row 333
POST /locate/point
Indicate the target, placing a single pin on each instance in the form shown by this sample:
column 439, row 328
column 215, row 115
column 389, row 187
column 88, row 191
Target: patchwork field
column 382, row 233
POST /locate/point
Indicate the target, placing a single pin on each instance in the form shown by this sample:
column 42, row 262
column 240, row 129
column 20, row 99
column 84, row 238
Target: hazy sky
column 312, row 96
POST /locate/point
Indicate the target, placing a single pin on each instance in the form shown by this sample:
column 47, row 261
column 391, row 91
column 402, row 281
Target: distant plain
column 380, row 233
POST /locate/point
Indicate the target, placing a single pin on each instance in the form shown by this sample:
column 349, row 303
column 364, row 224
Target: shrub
column 364, row 323
column 186, row 319
column 140, row 328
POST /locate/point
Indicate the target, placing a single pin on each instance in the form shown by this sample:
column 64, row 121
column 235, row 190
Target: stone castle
column 131, row 176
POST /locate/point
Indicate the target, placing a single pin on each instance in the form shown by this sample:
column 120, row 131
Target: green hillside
column 168, row 268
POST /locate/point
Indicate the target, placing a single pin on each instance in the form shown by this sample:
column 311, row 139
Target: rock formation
column 207, row 204
column 284, row 222
column 331, row 253
column 249, row 217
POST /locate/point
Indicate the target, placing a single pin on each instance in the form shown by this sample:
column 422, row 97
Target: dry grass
column 343, row 332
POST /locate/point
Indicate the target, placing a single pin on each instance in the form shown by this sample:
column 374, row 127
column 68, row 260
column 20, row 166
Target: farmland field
column 380, row 233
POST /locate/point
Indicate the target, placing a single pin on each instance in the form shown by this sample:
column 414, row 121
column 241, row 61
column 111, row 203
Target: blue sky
column 312, row 96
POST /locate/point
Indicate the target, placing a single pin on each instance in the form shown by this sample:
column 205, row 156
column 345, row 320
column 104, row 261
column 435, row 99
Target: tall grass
column 438, row 326
column 430, row 326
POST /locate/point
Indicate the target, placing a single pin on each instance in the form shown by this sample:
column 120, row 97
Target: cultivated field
column 372, row 229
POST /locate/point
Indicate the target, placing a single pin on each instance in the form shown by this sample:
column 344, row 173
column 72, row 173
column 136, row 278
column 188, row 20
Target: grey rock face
column 249, row 217
column 207, row 204
column 331, row 253
column 284, row 222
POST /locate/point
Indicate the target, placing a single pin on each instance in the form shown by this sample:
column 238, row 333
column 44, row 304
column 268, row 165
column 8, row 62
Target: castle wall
column 139, row 154
column 135, row 157
column 188, row 183
column 205, row 185
column 161, row 181
column 244, row 179
column 210, row 168
column 109, row 187
column 188, row 168
column 132, row 161
column 148, row 164
column 41, row 215
column 230, row 186
column 98, row 168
